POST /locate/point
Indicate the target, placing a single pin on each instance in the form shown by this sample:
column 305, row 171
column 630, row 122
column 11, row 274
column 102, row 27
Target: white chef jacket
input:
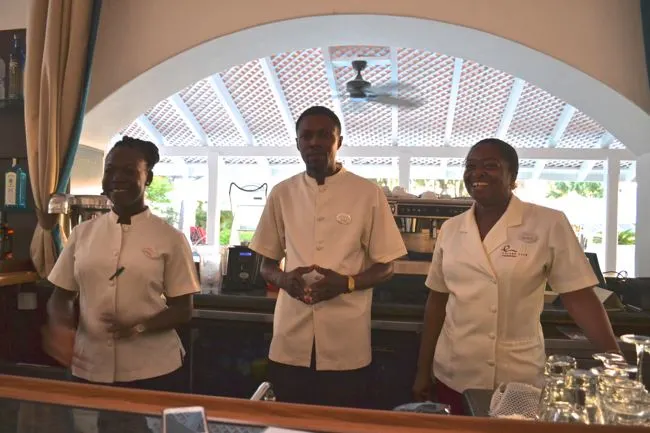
column 492, row 332
column 157, row 261
column 344, row 225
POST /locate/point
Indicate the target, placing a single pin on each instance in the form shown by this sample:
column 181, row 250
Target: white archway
column 628, row 122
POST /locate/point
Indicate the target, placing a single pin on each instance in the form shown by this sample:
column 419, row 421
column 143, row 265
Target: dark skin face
column 318, row 140
column 126, row 175
column 488, row 177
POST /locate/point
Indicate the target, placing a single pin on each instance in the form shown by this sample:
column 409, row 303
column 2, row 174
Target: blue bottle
column 15, row 187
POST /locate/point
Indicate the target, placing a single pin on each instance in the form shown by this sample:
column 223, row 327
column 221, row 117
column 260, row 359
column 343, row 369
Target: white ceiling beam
column 396, row 151
column 145, row 124
column 278, row 94
column 394, row 110
column 630, row 173
column 561, row 125
column 604, row 142
column 341, row 62
column 331, row 80
column 263, row 166
column 197, row 170
column 443, row 167
column 511, row 107
column 224, row 96
column 585, row 169
column 189, row 119
column 453, row 98
column 538, row 169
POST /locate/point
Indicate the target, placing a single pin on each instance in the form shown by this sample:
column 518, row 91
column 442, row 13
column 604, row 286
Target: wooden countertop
column 21, row 277
column 310, row 418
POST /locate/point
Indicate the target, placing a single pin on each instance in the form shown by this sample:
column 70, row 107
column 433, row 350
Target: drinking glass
column 641, row 343
column 563, row 412
column 634, row 411
column 582, row 387
column 625, row 402
column 555, row 370
column 559, row 365
column 608, row 358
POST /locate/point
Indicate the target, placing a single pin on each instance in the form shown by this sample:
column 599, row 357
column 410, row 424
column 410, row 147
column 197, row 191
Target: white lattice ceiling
column 256, row 104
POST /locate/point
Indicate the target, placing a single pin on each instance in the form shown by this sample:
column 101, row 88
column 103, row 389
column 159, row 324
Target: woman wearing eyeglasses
column 489, row 271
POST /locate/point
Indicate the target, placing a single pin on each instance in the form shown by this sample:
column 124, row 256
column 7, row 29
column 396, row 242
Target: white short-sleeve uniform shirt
column 157, row 261
column 344, row 225
column 492, row 332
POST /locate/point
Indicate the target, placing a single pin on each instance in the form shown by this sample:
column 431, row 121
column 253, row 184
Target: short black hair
column 148, row 150
column 508, row 153
column 319, row 110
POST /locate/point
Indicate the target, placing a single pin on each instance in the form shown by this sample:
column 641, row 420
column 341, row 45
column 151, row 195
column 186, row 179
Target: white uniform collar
column 511, row 217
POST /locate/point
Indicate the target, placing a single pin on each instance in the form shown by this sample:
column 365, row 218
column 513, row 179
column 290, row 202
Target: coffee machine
column 242, row 271
column 419, row 221
column 75, row 209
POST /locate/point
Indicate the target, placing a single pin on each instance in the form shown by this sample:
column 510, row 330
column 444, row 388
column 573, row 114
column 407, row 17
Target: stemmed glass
column 641, row 343
column 608, row 359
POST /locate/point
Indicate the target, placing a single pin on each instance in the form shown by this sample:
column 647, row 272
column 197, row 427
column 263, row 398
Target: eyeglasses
column 485, row 164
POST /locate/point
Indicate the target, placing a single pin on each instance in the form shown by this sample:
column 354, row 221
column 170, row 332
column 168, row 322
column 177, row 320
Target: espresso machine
column 419, row 221
column 75, row 209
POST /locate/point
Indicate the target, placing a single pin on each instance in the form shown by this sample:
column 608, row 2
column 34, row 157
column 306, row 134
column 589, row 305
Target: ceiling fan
column 360, row 90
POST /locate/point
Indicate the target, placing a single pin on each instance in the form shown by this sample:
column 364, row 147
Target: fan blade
column 387, row 88
column 392, row 100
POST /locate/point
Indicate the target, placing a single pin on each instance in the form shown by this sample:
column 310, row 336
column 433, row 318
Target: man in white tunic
column 336, row 226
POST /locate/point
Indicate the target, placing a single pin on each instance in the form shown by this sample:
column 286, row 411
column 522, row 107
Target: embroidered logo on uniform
column 529, row 238
column 508, row 251
column 344, row 218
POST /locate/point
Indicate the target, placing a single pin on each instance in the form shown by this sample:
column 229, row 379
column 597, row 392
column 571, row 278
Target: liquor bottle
column 3, row 80
column 15, row 70
column 6, row 239
column 15, row 186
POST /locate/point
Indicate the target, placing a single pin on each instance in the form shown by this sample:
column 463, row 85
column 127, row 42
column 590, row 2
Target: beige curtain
column 57, row 40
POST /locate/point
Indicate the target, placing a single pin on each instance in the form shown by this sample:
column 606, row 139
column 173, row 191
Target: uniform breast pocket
column 92, row 264
column 347, row 227
column 148, row 263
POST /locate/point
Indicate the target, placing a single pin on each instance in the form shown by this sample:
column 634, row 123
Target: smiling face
column 126, row 175
column 488, row 177
column 318, row 141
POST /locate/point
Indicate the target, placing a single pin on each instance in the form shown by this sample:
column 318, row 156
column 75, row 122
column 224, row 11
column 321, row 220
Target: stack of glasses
column 611, row 394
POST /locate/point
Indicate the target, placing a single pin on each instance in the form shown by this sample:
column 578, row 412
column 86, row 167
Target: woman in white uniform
column 134, row 276
column 487, row 278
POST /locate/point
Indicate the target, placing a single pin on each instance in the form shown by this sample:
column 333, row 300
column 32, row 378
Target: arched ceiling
column 251, row 109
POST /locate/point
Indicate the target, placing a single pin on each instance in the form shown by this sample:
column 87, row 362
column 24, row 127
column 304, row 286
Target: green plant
column 584, row 189
column 201, row 215
column 157, row 192
column 627, row 237
column 157, row 197
column 225, row 227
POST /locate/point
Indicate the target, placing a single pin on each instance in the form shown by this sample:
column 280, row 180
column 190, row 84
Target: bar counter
column 8, row 279
column 228, row 339
column 41, row 400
